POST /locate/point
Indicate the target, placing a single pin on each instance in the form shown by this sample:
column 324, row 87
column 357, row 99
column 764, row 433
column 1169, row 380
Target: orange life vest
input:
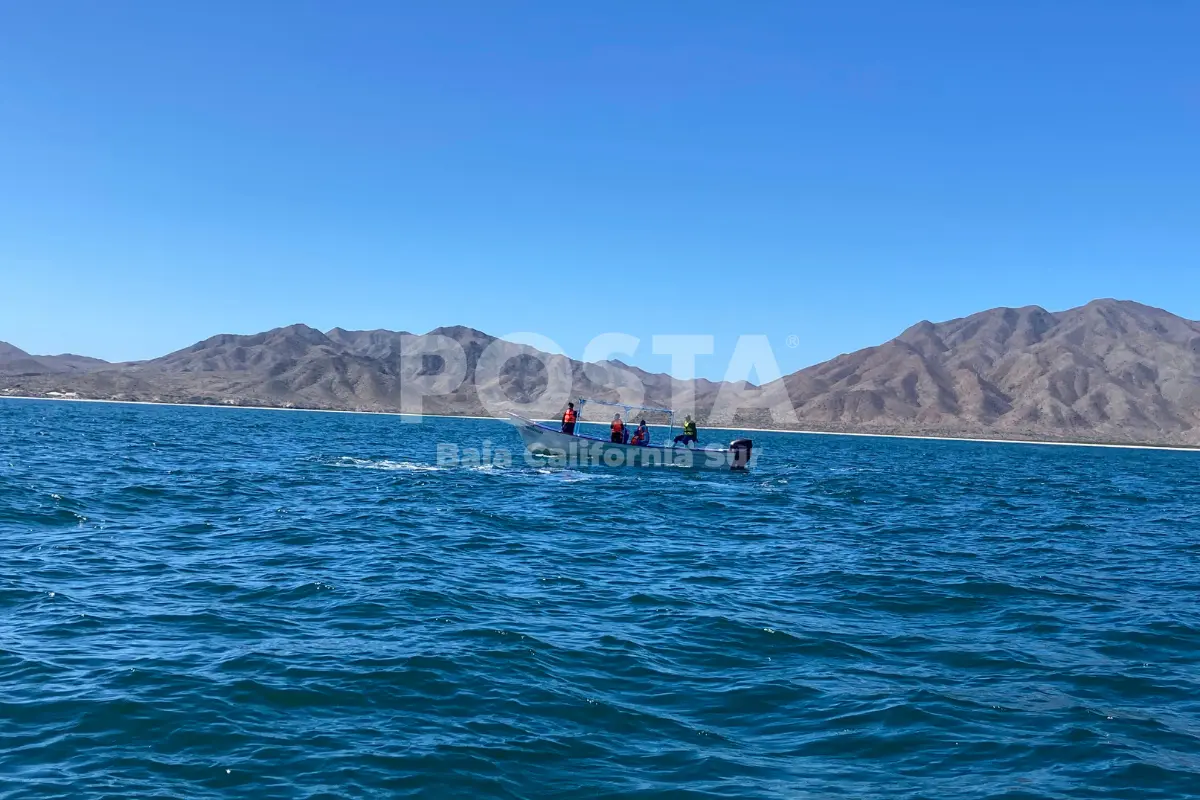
column 618, row 426
column 569, row 415
column 639, row 437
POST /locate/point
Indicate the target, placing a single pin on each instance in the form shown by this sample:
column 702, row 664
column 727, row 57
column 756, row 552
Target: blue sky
column 833, row 172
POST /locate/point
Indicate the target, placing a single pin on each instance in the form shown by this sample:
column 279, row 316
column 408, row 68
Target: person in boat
column 689, row 432
column 568, row 419
column 642, row 435
column 617, row 430
column 625, row 435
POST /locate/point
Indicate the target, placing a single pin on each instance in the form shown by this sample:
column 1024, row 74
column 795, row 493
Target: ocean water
column 203, row 603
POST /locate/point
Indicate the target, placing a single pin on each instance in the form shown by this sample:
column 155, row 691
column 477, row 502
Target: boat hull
column 572, row 450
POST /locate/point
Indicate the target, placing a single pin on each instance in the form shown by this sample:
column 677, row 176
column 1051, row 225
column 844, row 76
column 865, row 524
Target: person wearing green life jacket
column 689, row 432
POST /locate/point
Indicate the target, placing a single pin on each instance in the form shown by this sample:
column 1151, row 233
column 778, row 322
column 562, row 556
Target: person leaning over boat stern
column 618, row 430
column 568, row 419
column 689, row 432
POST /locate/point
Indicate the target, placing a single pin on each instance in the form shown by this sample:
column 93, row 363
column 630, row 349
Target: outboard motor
column 739, row 454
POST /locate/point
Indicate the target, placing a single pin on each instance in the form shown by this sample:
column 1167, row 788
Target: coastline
column 920, row 437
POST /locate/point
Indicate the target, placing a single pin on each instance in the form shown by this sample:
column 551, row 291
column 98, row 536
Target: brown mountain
column 1108, row 371
column 15, row 362
column 373, row 344
column 299, row 366
column 1111, row 370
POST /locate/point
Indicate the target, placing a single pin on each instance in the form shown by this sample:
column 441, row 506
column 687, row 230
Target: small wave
column 569, row 476
column 385, row 464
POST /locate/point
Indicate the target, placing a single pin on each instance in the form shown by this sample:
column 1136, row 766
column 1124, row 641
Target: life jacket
column 618, row 426
column 689, row 428
column 569, row 415
column 639, row 436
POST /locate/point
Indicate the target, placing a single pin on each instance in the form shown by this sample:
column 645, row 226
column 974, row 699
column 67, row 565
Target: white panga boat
column 575, row 449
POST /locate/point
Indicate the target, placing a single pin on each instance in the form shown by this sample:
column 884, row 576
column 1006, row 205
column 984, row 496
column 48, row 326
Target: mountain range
column 1110, row 371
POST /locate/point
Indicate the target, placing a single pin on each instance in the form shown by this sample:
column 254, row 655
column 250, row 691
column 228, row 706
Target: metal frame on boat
column 576, row 449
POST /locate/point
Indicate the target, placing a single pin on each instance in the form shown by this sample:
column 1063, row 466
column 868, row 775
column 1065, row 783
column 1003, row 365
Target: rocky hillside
column 298, row 366
column 1110, row 370
column 15, row 362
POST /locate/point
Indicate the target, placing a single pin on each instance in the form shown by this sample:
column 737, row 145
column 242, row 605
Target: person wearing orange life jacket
column 568, row 419
column 617, row 430
column 641, row 436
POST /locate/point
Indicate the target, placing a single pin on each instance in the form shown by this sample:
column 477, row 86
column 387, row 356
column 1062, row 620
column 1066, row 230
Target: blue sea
column 212, row 603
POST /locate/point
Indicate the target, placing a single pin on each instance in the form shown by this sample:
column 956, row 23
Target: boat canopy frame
column 670, row 412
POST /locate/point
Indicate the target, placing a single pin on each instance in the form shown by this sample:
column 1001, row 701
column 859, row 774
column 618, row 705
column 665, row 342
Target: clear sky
column 829, row 171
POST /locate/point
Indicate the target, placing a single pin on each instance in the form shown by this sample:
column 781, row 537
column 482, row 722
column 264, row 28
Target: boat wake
column 385, row 464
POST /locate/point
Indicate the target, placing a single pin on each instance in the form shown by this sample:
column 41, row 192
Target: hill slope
column 1109, row 370
column 15, row 362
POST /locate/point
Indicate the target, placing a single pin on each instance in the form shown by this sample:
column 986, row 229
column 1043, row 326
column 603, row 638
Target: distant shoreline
column 1039, row 442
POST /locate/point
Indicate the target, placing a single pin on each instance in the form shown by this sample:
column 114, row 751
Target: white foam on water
column 569, row 476
column 385, row 464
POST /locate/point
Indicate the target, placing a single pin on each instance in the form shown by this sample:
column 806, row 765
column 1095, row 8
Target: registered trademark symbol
column 793, row 341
